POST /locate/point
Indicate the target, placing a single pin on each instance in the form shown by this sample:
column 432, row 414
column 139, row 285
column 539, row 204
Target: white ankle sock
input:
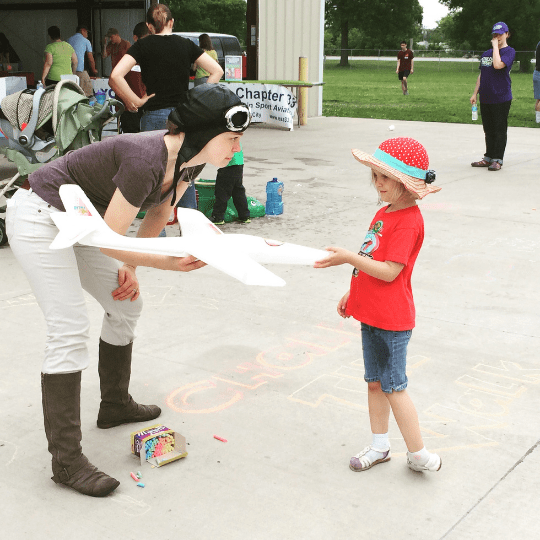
column 380, row 442
column 538, row 117
column 380, row 445
column 421, row 457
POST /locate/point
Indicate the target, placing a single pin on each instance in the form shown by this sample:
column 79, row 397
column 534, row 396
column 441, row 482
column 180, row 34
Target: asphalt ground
column 278, row 374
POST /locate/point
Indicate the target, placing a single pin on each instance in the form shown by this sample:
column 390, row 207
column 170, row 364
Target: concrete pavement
column 279, row 375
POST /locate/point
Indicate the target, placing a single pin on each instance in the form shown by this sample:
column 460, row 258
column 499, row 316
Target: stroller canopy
column 18, row 107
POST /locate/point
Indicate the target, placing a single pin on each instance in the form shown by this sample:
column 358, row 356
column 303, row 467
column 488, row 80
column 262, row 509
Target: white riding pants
column 58, row 277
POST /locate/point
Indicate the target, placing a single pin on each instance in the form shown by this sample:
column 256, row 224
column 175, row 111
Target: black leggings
column 229, row 183
column 495, row 124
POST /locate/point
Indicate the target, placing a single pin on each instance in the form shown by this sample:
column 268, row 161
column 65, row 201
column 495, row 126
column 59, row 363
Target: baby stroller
column 44, row 124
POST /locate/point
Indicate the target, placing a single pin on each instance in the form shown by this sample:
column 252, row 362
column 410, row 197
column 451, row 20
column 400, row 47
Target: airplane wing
column 230, row 260
column 82, row 223
column 237, row 255
column 267, row 251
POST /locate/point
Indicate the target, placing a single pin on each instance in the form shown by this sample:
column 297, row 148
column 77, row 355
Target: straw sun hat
column 404, row 160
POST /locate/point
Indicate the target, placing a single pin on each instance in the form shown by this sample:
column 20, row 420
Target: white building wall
column 27, row 33
column 26, row 30
column 289, row 29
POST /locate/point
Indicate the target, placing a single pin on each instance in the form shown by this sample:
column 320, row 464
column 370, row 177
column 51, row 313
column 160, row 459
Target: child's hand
column 342, row 306
column 335, row 257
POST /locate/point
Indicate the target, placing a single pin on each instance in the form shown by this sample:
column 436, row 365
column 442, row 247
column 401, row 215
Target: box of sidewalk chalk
column 158, row 445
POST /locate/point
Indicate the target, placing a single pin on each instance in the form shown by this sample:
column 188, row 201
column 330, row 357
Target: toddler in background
column 229, row 183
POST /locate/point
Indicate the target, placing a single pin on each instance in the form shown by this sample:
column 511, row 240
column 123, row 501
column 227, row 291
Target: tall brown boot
column 117, row 406
column 61, row 398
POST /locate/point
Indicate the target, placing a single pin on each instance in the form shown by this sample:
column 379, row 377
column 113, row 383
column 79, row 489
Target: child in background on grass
column 229, row 184
column 380, row 296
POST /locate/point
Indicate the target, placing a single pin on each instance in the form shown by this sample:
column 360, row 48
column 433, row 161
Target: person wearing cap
column 380, row 296
column 114, row 46
column 147, row 171
column 83, row 49
column 495, row 89
column 405, row 66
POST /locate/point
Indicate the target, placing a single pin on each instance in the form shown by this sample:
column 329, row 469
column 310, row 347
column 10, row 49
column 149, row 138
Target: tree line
column 219, row 16
column 383, row 24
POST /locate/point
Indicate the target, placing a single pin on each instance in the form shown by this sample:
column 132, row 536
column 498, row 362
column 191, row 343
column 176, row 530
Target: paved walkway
column 279, row 375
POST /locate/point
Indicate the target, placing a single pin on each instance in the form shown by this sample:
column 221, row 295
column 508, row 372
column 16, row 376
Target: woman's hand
column 134, row 107
column 473, row 99
column 342, row 306
column 129, row 284
column 336, row 257
column 495, row 43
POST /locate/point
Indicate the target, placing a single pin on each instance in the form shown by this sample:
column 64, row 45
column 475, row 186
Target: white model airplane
column 238, row 255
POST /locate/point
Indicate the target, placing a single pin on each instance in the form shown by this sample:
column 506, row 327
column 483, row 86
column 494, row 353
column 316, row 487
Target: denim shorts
column 536, row 84
column 385, row 357
column 155, row 120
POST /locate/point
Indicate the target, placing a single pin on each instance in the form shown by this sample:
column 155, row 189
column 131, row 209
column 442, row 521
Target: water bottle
column 474, row 112
column 39, row 85
column 274, row 202
column 101, row 96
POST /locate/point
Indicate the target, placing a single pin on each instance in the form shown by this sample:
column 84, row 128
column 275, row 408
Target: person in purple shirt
column 495, row 89
column 536, row 83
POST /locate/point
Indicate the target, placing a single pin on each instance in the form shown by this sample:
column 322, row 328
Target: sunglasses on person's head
column 237, row 118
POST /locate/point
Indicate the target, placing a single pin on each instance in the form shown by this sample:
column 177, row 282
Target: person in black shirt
column 165, row 61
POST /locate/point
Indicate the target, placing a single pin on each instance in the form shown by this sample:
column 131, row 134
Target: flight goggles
column 237, row 118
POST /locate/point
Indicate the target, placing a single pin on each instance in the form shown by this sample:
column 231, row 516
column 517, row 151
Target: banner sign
column 102, row 85
column 269, row 103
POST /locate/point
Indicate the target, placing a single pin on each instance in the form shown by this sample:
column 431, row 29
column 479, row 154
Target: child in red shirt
column 380, row 296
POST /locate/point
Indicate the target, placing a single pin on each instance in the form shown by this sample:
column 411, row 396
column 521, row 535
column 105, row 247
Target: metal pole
column 302, row 92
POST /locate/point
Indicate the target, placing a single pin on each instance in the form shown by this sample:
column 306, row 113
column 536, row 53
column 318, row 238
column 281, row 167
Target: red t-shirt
column 405, row 58
column 397, row 237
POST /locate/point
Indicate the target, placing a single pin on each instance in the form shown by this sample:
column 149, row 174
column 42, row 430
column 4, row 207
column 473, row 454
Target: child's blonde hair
column 399, row 188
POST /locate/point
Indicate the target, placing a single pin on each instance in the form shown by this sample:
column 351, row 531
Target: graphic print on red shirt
column 397, row 237
column 405, row 58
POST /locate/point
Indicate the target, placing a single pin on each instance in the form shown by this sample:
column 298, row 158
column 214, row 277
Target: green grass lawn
column 438, row 92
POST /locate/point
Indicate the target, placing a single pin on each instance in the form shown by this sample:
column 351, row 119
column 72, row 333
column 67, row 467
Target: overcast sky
column 433, row 11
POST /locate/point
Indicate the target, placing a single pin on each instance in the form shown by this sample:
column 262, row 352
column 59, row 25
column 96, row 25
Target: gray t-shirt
column 135, row 163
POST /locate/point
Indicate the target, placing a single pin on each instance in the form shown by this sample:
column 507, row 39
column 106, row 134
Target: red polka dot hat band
column 404, row 160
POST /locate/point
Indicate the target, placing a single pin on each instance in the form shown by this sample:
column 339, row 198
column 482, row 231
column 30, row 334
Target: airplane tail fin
column 79, row 219
column 76, row 202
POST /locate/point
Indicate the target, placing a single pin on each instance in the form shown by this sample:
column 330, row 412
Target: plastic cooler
column 206, row 199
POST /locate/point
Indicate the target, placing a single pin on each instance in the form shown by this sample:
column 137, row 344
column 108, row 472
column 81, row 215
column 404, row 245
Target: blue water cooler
column 274, row 202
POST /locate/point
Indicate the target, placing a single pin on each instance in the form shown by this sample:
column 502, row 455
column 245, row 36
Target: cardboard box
column 139, row 440
column 10, row 85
